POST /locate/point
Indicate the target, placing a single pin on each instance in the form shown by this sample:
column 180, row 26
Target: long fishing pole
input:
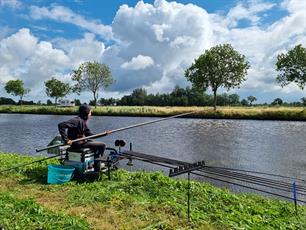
column 256, row 172
column 114, row 131
column 241, row 178
column 253, row 178
column 245, row 186
column 260, row 183
column 26, row 164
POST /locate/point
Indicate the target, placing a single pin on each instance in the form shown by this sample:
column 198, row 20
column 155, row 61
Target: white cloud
column 81, row 50
column 182, row 41
column 63, row 14
column 159, row 32
column 10, row 3
column 294, row 6
column 5, row 75
column 262, row 45
column 248, row 11
column 22, row 56
column 172, row 34
column 139, row 62
column 16, row 48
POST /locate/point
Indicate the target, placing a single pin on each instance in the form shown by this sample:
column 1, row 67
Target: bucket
column 59, row 174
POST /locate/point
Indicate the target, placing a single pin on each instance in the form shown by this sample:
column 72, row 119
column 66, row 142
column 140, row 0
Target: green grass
column 27, row 214
column 131, row 200
column 258, row 112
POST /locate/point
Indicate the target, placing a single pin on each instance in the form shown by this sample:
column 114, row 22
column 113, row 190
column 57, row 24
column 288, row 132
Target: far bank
column 222, row 112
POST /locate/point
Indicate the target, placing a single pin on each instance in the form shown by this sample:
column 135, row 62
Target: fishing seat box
column 82, row 159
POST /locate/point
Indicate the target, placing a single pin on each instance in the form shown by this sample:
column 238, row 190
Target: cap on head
column 84, row 110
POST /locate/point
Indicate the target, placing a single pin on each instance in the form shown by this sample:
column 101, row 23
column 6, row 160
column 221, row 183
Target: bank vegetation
column 131, row 200
column 225, row 112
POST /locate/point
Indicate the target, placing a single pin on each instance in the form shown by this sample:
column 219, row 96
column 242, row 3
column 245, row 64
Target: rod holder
column 186, row 168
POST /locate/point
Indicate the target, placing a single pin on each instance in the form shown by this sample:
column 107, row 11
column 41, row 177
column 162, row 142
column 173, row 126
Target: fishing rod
column 243, row 177
column 256, row 172
column 245, row 186
column 277, row 188
column 26, row 164
column 253, row 178
column 254, row 182
column 105, row 133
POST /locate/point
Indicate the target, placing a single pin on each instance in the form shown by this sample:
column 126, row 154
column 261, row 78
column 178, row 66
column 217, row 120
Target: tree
column 16, row 88
column 92, row 76
column 139, row 96
column 292, row 67
column 49, row 102
column 303, row 99
column 77, row 102
column 7, row 101
column 56, row 89
column 244, row 102
column 251, row 99
column 277, row 101
column 221, row 66
column 179, row 96
column 195, row 97
column 234, row 99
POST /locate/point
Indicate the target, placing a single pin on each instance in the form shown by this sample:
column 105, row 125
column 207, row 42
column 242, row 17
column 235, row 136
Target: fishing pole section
column 105, row 133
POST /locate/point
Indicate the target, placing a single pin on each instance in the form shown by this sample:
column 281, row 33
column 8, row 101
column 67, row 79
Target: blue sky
column 147, row 43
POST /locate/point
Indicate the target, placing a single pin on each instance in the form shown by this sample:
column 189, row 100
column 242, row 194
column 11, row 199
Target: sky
column 147, row 43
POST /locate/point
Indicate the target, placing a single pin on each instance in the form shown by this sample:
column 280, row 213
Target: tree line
column 178, row 97
column 189, row 97
column 219, row 67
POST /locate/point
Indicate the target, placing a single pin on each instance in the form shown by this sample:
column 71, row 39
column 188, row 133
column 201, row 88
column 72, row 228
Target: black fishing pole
column 256, row 172
column 26, row 164
column 253, row 178
column 277, row 188
column 260, row 183
column 245, row 186
column 114, row 131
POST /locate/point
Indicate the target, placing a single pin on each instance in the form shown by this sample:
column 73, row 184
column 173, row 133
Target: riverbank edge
column 157, row 200
column 245, row 113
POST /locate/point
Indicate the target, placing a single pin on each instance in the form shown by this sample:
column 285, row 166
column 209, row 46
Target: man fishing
column 77, row 128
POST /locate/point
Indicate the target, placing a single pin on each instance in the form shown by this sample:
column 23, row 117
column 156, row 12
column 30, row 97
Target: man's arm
column 72, row 123
column 88, row 132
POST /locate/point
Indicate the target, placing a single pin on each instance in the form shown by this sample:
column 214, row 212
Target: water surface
column 271, row 146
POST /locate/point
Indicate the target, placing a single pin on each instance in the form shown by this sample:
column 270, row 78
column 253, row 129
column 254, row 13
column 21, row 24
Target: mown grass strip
column 260, row 112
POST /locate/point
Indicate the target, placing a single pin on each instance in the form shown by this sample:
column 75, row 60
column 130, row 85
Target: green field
column 131, row 200
column 256, row 112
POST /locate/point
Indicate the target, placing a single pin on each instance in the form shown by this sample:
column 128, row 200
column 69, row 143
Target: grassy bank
column 131, row 201
column 262, row 113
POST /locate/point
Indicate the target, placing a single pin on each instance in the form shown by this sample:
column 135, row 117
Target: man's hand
column 69, row 142
column 108, row 132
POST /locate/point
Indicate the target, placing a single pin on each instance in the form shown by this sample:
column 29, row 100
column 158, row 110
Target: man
column 77, row 128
